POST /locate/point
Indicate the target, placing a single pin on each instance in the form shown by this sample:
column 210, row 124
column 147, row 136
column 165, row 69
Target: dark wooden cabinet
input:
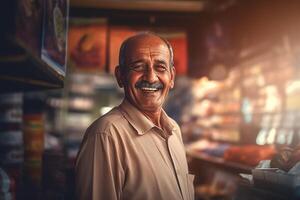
column 21, row 66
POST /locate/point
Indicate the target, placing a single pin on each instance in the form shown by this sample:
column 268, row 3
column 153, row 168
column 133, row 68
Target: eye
column 138, row 67
column 161, row 67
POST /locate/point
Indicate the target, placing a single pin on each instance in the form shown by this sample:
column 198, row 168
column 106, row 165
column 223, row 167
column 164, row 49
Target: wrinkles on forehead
column 158, row 53
column 146, row 47
column 143, row 38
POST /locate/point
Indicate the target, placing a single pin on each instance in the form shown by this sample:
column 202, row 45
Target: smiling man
column 135, row 151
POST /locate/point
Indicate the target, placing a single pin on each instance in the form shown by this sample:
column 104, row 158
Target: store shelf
column 219, row 162
column 146, row 5
column 21, row 70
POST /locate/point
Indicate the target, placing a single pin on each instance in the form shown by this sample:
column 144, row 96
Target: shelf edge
column 147, row 5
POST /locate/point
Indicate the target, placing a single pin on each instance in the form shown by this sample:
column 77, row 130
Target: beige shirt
column 125, row 156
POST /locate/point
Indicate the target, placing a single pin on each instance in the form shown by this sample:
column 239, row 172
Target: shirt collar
column 140, row 122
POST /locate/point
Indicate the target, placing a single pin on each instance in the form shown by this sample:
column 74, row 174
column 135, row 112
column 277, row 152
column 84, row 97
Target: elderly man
column 135, row 151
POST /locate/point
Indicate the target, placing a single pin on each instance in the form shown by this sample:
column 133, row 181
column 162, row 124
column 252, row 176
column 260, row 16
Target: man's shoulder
column 104, row 124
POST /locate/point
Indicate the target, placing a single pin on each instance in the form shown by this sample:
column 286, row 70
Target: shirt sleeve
column 98, row 172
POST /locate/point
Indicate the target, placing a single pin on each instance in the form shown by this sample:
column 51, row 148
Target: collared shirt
column 125, row 156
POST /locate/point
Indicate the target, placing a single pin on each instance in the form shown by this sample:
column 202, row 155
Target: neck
column 154, row 116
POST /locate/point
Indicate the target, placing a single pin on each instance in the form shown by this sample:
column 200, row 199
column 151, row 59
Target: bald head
column 145, row 36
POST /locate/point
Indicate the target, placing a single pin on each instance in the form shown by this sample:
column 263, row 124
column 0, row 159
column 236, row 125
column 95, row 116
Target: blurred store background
column 236, row 98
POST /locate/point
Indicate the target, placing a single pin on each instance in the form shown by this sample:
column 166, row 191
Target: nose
column 150, row 75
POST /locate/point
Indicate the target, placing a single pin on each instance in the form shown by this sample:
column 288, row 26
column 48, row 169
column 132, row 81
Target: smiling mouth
column 147, row 89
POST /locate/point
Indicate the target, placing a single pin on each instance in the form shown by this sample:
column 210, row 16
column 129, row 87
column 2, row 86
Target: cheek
column 132, row 80
column 166, row 80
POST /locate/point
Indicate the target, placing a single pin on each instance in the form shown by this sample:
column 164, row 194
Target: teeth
column 149, row 89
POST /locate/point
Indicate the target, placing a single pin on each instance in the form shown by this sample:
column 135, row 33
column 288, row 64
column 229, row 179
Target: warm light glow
column 273, row 101
column 271, row 136
column 105, row 110
column 261, row 137
column 292, row 87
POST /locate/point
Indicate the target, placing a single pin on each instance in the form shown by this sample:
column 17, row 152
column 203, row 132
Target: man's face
column 148, row 75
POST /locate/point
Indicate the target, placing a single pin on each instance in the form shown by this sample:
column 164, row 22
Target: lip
column 145, row 89
column 150, row 92
column 146, row 86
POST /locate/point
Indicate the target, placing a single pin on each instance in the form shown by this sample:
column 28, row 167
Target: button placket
column 175, row 167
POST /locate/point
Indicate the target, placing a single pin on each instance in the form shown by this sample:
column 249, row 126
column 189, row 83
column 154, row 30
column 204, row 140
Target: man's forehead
column 144, row 38
column 146, row 41
column 147, row 45
column 149, row 49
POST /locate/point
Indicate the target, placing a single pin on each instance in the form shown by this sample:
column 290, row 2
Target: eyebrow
column 134, row 62
column 161, row 61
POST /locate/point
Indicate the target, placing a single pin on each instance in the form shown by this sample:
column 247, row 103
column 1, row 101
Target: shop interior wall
column 192, row 23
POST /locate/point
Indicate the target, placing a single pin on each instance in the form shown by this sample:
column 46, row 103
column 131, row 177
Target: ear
column 118, row 76
column 173, row 73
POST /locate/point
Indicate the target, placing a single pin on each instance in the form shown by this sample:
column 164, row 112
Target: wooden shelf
column 219, row 162
column 144, row 5
column 20, row 70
